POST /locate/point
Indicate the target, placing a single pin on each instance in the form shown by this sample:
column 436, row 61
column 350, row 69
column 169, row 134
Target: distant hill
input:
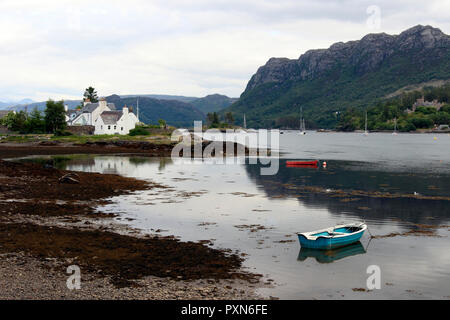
column 72, row 104
column 4, row 105
column 213, row 103
column 161, row 97
column 176, row 113
column 351, row 74
column 176, row 110
column 7, row 105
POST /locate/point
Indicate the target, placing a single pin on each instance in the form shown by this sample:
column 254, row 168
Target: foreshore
column 48, row 224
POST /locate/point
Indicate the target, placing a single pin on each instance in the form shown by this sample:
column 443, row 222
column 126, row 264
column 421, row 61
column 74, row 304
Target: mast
column 245, row 122
column 302, row 120
column 137, row 107
column 365, row 127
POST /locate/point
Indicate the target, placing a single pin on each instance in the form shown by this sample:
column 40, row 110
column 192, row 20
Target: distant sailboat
column 245, row 127
column 395, row 127
column 302, row 122
column 245, row 130
column 366, row 132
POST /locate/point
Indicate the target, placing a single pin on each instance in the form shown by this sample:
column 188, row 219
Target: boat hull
column 330, row 242
column 302, row 163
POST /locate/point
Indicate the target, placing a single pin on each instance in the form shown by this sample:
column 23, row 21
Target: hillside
column 161, row 97
column 72, row 104
column 351, row 74
column 175, row 112
column 213, row 103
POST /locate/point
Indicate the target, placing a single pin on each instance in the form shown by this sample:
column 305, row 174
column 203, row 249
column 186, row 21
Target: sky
column 57, row 48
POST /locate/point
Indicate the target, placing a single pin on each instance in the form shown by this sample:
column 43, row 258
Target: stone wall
column 81, row 130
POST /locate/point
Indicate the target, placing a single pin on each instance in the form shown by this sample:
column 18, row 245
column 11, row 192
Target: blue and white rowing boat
column 334, row 237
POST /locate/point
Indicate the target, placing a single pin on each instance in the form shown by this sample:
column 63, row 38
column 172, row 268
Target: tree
column 8, row 120
column 229, row 119
column 55, row 116
column 91, row 94
column 35, row 122
column 162, row 123
column 15, row 121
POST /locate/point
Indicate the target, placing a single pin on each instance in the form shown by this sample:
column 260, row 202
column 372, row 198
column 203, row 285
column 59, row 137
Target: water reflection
column 288, row 183
column 328, row 256
column 226, row 196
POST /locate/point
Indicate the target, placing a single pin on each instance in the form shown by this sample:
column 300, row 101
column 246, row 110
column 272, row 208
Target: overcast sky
column 56, row 48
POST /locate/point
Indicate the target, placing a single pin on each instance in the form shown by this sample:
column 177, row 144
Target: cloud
column 194, row 48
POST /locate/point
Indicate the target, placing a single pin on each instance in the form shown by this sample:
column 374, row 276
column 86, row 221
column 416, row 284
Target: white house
column 89, row 113
column 104, row 117
column 115, row 122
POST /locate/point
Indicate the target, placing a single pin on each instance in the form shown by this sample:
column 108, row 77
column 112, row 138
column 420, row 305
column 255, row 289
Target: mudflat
column 51, row 223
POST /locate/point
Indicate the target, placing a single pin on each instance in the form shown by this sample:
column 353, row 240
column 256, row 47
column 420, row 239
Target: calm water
column 208, row 201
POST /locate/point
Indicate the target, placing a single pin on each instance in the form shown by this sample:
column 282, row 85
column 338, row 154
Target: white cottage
column 115, row 122
column 89, row 113
column 104, row 117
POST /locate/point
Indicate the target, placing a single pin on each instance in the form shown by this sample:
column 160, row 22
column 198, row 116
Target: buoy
column 324, row 164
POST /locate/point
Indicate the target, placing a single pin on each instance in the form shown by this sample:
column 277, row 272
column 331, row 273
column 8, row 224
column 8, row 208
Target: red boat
column 314, row 163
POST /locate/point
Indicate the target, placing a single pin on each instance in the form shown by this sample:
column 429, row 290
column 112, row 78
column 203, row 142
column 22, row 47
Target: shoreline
column 45, row 226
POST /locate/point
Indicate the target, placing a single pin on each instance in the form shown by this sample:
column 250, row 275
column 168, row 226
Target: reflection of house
column 103, row 116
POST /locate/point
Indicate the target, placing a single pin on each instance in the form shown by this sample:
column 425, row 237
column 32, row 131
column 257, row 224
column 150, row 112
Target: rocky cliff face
column 353, row 74
column 362, row 56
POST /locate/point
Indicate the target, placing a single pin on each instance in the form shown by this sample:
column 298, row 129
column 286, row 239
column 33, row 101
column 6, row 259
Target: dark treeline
column 384, row 114
column 213, row 120
column 52, row 120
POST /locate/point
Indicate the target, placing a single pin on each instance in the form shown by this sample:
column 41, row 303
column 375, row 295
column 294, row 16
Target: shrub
column 139, row 131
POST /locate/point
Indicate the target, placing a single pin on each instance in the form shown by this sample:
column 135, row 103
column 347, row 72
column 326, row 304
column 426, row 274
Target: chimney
column 125, row 110
column 86, row 101
column 102, row 103
column 66, row 108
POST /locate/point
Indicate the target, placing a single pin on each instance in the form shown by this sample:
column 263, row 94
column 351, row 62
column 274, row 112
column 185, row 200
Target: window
column 101, row 127
column 115, row 127
column 109, row 127
column 121, row 128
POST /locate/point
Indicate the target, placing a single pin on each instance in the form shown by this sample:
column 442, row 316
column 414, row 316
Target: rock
column 71, row 178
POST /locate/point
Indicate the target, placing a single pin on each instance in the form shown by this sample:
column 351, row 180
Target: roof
column 90, row 107
column 69, row 112
column 111, row 117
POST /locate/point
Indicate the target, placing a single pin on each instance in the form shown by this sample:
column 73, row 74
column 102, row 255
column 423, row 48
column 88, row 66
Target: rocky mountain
column 351, row 74
column 213, row 103
column 176, row 113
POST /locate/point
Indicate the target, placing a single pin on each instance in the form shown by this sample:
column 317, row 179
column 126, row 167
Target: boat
column 303, row 163
column 331, row 255
column 366, row 132
column 395, row 127
column 333, row 237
